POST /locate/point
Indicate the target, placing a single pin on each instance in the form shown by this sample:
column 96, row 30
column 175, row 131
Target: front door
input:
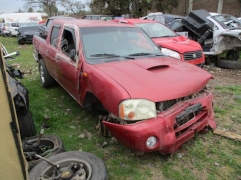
column 68, row 71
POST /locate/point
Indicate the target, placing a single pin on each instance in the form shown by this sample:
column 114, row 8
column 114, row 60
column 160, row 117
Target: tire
column 20, row 43
column 232, row 55
column 26, row 124
column 229, row 64
column 94, row 167
column 211, row 59
column 54, row 142
column 46, row 79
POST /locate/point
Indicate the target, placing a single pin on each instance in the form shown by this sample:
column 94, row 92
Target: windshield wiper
column 110, row 55
column 145, row 54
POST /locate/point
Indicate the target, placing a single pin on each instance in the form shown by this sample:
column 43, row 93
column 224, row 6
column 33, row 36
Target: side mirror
column 73, row 54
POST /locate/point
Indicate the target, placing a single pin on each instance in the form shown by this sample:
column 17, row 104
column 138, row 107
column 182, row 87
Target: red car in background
column 171, row 43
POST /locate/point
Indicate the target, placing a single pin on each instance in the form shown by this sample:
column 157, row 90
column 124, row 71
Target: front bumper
column 169, row 136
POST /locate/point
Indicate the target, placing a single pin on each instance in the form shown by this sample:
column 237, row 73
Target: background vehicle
column 10, row 29
column 99, row 17
column 216, row 34
column 170, row 42
column 118, row 75
column 17, row 17
column 165, row 19
column 26, row 32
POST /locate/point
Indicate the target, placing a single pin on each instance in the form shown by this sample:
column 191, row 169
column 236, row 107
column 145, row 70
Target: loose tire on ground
column 49, row 140
column 97, row 167
column 26, row 124
column 228, row 64
column 46, row 79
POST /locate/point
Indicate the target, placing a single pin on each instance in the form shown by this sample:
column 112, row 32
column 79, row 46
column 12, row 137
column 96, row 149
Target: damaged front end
column 176, row 122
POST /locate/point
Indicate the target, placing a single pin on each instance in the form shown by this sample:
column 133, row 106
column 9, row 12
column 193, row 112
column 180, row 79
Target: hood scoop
column 157, row 67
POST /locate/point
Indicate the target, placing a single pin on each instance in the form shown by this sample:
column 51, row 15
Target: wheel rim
column 46, row 145
column 64, row 163
column 232, row 55
column 42, row 74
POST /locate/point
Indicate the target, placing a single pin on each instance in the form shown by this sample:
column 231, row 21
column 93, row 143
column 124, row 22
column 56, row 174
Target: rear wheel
column 46, row 79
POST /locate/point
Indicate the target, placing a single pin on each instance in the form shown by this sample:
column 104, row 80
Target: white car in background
column 10, row 29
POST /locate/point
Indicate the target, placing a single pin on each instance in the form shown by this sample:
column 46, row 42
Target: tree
column 19, row 10
column 135, row 7
column 73, row 7
column 165, row 5
column 30, row 9
column 49, row 6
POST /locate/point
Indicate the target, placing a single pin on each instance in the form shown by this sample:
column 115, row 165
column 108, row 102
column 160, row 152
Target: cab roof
column 90, row 23
column 134, row 21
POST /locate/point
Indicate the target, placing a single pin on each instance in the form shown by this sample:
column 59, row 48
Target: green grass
column 207, row 156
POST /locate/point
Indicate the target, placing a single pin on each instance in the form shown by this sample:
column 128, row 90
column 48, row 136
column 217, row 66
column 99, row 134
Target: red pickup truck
column 154, row 102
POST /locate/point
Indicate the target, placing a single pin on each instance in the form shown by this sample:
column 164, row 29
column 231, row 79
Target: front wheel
column 90, row 167
column 46, row 79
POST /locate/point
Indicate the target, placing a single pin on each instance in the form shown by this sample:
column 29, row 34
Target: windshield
column 28, row 24
column 156, row 30
column 227, row 21
column 106, row 44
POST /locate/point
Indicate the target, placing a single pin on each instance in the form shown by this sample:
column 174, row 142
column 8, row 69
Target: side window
column 68, row 41
column 160, row 19
column 87, row 17
column 54, row 36
column 15, row 25
column 48, row 24
column 95, row 17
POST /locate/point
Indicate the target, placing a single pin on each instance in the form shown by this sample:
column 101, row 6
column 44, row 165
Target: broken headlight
column 137, row 109
column 171, row 53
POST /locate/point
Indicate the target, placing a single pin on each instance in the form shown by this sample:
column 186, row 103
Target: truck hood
column 180, row 44
column 157, row 79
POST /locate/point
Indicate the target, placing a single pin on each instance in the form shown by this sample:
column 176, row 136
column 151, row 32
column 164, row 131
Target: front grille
column 192, row 55
column 164, row 105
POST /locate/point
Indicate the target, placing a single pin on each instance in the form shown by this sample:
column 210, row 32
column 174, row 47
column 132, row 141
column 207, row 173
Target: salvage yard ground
column 205, row 157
